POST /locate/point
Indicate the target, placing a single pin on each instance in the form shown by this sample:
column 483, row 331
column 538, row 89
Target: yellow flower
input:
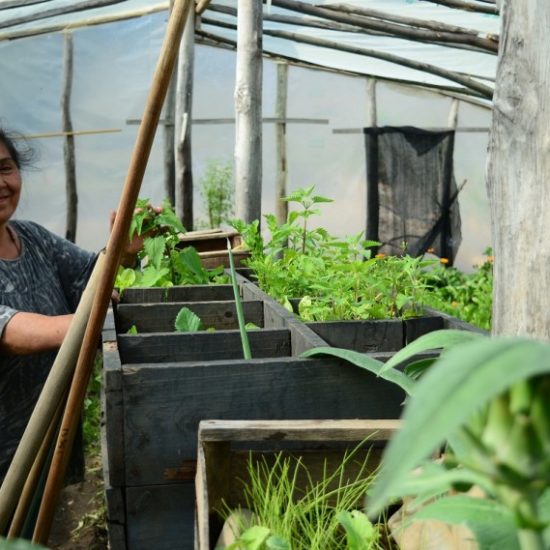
column 490, row 259
column 454, row 303
column 380, row 256
column 444, row 260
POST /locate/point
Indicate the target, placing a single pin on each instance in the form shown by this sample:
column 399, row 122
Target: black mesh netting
column 411, row 191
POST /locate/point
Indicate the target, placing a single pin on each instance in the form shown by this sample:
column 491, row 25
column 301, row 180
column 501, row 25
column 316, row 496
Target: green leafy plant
column 487, row 400
column 322, row 515
column 187, row 321
column 216, row 188
column 164, row 263
column 335, row 279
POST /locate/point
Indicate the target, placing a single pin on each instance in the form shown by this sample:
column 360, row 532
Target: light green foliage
column 92, row 409
column 336, row 279
column 320, row 516
column 187, row 321
column 488, row 398
column 164, row 263
column 216, row 187
column 466, row 296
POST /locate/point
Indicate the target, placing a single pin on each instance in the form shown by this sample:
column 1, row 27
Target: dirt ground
column 79, row 522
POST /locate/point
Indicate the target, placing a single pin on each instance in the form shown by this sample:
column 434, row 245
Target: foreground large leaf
column 439, row 339
column 365, row 362
column 492, row 523
column 460, row 382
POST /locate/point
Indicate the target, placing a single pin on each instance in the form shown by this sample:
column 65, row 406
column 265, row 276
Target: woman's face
column 10, row 185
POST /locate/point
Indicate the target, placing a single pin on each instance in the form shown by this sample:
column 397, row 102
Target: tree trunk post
column 373, row 199
column 184, row 107
column 68, row 147
column 281, row 206
column 518, row 172
column 248, row 111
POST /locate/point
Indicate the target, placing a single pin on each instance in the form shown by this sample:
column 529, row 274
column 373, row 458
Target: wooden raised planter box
column 225, row 447
column 160, row 384
column 371, row 335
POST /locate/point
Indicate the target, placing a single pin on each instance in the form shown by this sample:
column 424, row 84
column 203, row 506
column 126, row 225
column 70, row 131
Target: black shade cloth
column 411, row 191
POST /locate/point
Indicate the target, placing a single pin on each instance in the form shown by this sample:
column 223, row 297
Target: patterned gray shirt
column 48, row 277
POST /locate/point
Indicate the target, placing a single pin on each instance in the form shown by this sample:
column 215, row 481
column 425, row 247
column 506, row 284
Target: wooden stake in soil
column 115, row 245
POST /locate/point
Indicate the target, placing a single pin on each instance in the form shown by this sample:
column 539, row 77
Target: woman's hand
column 132, row 247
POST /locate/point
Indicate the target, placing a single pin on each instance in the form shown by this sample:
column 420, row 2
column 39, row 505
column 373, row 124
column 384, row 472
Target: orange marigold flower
column 444, row 260
column 430, row 250
column 454, row 303
column 490, row 259
column 380, row 256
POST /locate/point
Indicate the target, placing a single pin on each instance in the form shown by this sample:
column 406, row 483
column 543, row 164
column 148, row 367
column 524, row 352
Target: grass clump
column 292, row 510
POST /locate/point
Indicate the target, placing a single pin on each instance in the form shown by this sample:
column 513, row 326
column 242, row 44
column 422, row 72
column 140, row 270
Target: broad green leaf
column 153, row 276
column 154, row 248
column 187, row 321
column 132, row 330
column 360, row 532
column 491, row 522
column 275, row 542
column 367, row 363
column 191, row 260
column 462, row 381
column 251, row 326
column 169, row 218
column 434, row 340
column 416, row 369
column 126, row 277
column 401, row 300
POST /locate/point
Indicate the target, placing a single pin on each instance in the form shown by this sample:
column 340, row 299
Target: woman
column 42, row 277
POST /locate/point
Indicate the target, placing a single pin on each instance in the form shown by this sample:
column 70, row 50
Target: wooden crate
column 225, row 447
column 159, row 385
column 371, row 335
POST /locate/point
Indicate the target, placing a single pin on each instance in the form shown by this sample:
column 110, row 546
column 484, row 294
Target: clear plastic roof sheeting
column 479, row 65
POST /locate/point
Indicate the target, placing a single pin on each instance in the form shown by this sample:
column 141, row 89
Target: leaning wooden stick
column 117, row 240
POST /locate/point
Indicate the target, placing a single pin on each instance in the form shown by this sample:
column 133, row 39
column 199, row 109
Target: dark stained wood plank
column 191, row 293
column 364, row 336
column 201, row 346
column 165, row 402
column 161, row 517
column 220, row 315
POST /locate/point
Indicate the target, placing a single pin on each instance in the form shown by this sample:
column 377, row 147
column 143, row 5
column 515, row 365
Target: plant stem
column 238, row 305
column 529, row 539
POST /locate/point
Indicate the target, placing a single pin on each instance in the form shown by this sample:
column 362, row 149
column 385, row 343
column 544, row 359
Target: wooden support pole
column 69, row 146
column 371, row 139
column 248, row 111
column 467, row 6
column 169, row 138
column 117, row 240
column 9, row 4
column 184, row 108
column 61, row 10
column 281, row 206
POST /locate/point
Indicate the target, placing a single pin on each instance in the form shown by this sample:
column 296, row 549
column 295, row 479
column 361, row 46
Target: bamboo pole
column 28, row 493
column 281, row 206
column 402, row 31
column 437, row 26
column 248, row 112
column 68, row 147
column 482, row 89
column 90, row 22
column 343, row 22
column 73, row 133
column 467, row 6
column 184, row 108
column 9, row 4
column 117, row 240
column 214, row 40
column 44, row 410
column 54, row 12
